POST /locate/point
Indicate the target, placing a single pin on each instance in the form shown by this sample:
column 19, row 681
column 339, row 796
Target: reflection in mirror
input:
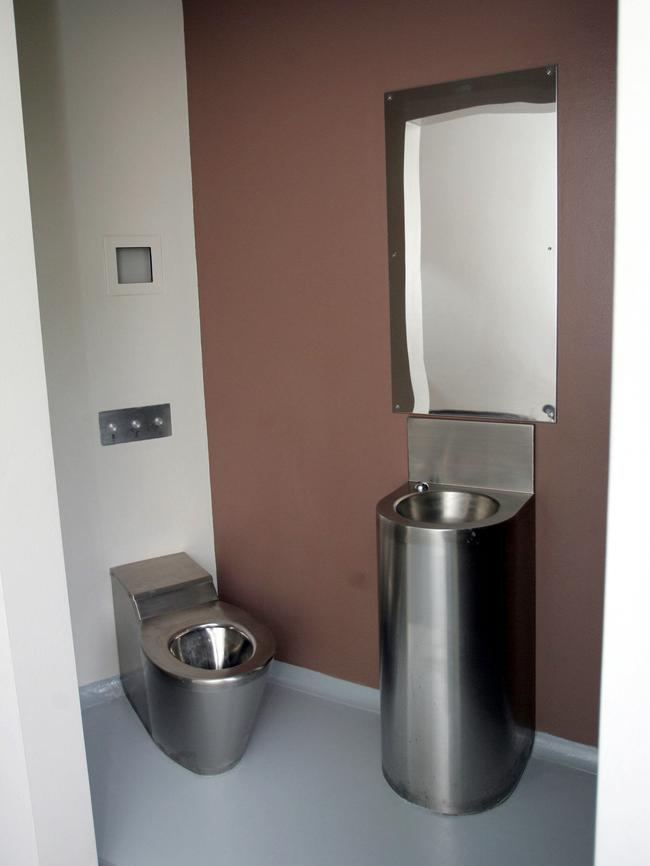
column 472, row 181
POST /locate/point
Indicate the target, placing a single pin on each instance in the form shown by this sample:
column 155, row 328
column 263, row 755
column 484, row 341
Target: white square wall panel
column 133, row 264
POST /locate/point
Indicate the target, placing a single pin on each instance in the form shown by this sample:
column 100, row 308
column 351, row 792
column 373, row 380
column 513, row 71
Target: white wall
column 622, row 834
column 17, row 830
column 488, row 280
column 45, row 813
column 105, row 104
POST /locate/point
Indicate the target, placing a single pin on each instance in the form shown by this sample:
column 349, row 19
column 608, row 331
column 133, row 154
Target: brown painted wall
column 287, row 136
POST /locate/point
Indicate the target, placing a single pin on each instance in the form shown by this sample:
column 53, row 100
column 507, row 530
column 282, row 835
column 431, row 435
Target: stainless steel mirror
column 472, row 233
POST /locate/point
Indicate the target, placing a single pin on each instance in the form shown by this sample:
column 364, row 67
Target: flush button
column 137, row 424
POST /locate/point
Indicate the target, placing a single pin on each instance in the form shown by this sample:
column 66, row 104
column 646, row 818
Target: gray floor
column 309, row 791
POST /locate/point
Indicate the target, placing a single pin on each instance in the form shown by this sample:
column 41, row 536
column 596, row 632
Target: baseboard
column 324, row 686
column 547, row 747
column 100, row 692
column 576, row 756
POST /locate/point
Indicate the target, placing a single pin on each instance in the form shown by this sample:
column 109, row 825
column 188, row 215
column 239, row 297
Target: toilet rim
column 157, row 633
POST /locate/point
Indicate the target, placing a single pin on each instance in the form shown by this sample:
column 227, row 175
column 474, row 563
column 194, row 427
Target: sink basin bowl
column 447, row 507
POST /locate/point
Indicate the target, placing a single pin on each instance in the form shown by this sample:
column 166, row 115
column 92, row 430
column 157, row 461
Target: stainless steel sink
column 442, row 507
column 457, row 633
column 447, row 507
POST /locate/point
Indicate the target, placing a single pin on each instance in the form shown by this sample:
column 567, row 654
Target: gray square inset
column 134, row 265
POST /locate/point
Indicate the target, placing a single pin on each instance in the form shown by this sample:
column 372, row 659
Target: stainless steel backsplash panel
column 472, row 454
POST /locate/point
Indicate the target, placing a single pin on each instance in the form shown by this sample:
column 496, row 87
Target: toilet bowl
column 192, row 666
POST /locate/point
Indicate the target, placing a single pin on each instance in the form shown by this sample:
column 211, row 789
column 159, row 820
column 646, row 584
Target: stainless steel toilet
column 193, row 667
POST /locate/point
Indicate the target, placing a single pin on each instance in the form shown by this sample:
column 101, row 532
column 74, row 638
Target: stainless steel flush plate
column 117, row 426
